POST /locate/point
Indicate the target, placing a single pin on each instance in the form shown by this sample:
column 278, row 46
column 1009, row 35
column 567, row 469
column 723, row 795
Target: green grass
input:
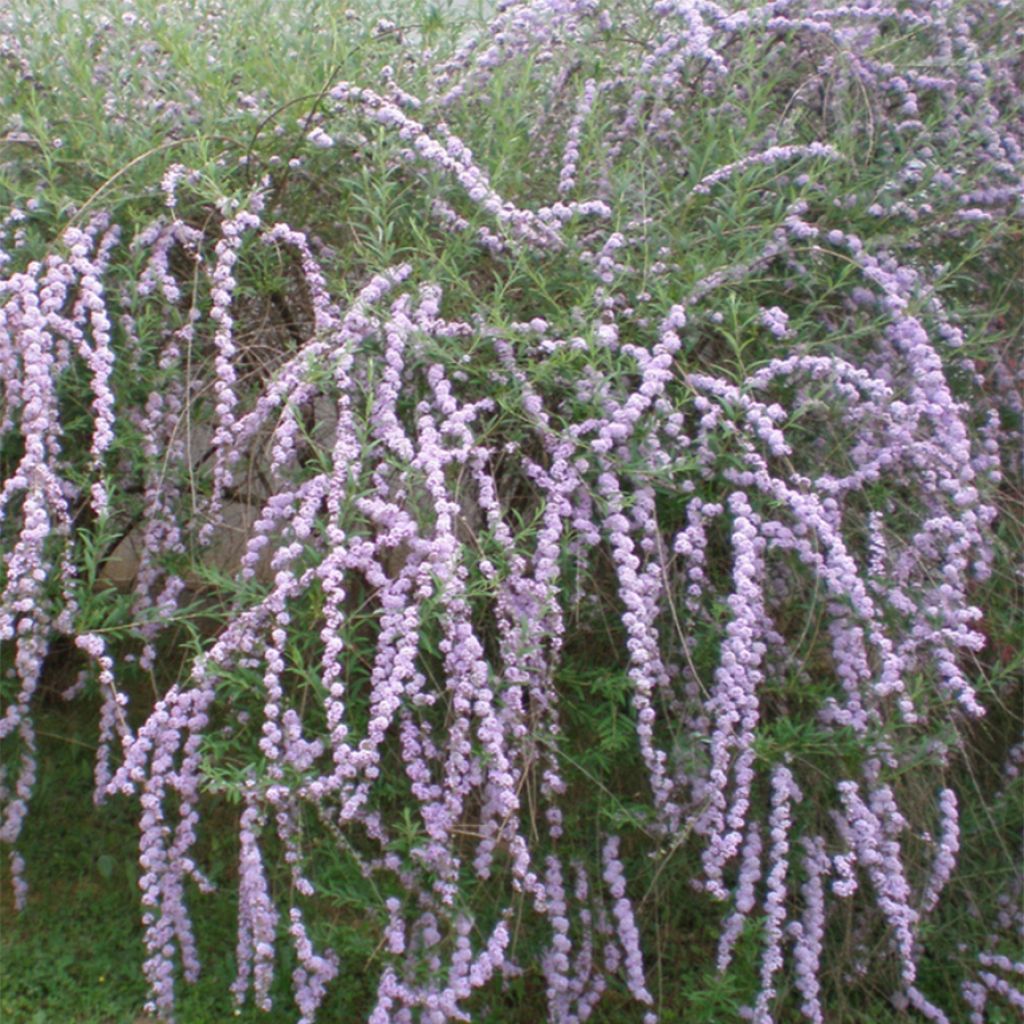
column 74, row 955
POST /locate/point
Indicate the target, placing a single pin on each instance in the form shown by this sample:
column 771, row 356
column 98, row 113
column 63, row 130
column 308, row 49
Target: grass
column 75, row 952
column 74, row 955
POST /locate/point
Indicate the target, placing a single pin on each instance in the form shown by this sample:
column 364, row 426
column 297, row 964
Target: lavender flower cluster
column 435, row 490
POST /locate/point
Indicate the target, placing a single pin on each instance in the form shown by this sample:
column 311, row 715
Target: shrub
column 613, row 408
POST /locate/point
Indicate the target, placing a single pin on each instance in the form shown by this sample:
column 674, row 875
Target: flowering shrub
column 639, row 420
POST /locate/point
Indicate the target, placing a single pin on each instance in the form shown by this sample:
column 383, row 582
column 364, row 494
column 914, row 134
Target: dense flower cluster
column 782, row 552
